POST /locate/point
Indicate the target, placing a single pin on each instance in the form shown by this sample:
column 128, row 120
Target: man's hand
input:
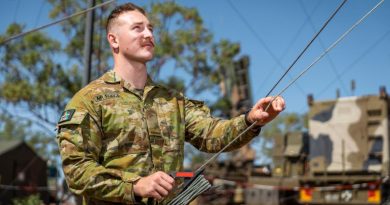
column 156, row 185
column 261, row 115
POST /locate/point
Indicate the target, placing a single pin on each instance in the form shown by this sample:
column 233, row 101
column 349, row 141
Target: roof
column 6, row 145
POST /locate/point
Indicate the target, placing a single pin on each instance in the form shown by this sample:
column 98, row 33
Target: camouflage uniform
column 111, row 134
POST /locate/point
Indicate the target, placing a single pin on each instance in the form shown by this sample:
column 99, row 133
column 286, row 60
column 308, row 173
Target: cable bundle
column 194, row 188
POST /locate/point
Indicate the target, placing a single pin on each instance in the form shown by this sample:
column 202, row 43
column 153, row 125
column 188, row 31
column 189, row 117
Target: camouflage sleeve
column 79, row 140
column 211, row 134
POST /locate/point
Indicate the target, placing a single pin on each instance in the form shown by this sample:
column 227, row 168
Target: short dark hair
column 120, row 10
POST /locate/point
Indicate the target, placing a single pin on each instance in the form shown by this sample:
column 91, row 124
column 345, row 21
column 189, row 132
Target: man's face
column 134, row 36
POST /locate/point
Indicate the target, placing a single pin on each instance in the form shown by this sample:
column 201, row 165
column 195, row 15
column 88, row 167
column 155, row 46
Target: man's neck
column 134, row 73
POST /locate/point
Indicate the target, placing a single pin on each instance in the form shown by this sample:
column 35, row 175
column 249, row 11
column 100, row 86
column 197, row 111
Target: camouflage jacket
column 110, row 135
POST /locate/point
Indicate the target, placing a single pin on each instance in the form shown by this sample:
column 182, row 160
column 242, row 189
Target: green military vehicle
column 342, row 159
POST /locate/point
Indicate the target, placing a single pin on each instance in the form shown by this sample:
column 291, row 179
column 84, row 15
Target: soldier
column 120, row 135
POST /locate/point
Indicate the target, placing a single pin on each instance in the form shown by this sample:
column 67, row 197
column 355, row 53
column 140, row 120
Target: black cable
column 254, row 123
column 328, row 49
column 331, row 63
column 214, row 156
column 53, row 23
column 359, row 58
column 295, row 38
column 258, row 37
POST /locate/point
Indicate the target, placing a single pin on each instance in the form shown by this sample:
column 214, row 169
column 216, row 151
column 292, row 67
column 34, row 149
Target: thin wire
column 307, row 46
column 22, row 171
column 258, row 38
column 39, row 13
column 352, row 65
column 16, row 10
column 303, row 72
column 251, row 29
column 331, row 63
column 295, row 38
column 329, row 48
column 224, row 148
column 254, row 123
column 18, row 187
column 53, row 23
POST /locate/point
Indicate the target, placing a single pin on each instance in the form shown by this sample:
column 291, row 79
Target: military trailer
column 342, row 159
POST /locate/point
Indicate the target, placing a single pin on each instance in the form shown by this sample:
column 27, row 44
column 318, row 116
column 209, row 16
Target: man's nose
column 148, row 33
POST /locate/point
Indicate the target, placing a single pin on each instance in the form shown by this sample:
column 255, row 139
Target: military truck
column 342, row 159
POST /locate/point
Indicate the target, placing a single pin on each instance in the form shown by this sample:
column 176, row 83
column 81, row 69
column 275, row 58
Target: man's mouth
column 148, row 44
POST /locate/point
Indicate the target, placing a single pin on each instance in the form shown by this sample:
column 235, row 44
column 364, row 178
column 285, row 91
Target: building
column 23, row 172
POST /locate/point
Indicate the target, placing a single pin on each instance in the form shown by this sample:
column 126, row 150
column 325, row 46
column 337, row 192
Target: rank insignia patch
column 66, row 115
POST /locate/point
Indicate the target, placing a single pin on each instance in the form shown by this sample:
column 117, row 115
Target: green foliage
column 74, row 30
column 174, row 83
column 180, row 37
column 17, row 128
column 32, row 88
column 30, row 73
column 29, row 200
column 12, row 129
column 39, row 74
column 222, row 107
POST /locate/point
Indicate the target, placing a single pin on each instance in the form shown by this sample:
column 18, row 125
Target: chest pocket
column 124, row 132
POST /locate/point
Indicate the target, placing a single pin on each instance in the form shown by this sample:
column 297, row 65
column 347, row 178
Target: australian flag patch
column 66, row 115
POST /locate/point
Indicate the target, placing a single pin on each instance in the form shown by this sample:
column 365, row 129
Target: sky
column 273, row 33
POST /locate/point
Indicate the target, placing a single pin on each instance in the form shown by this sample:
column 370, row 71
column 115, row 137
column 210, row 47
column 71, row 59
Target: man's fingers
column 266, row 109
column 281, row 103
column 264, row 102
column 277, row 105
column 157, row 185
column 156, row 195
column 168, row 178
column 162, row 191
column 166, row 185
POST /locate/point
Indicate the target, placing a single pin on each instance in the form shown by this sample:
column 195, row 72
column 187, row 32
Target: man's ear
column 113, row 40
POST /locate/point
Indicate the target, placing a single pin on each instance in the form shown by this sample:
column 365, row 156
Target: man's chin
column 143, row 59
column 149, row 58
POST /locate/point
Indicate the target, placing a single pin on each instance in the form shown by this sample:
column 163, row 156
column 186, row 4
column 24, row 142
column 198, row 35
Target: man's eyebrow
column 140, row 23
column 137, row 23
column 149, row 25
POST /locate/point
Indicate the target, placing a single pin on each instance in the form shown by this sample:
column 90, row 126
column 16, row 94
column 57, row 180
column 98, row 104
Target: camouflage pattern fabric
column 111, row 134
column 349, row 135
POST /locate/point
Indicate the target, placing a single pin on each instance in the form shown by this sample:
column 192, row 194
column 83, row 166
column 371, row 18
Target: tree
column 73, row 30
column 32, row 87
column 39, row 74
column 12, row 129
column 29, row 200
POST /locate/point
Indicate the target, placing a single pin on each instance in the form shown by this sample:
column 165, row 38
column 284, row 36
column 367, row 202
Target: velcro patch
column 66, row 115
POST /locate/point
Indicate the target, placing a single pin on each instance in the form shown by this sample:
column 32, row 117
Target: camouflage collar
column 112, row 78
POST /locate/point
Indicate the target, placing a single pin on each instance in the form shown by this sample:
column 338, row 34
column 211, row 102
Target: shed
column 23, row 172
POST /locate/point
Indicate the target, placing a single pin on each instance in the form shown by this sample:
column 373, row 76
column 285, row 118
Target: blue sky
column 272, row 33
